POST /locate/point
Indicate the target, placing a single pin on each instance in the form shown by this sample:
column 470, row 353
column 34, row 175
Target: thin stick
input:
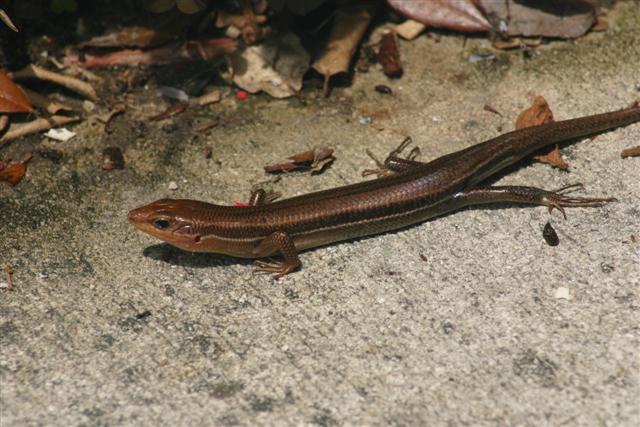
column 35, row 126
column 44, row 103
column 71, row 83
column 9, row 271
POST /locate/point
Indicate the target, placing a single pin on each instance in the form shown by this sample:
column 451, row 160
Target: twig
column 9, row 271
column 44, row 103
column 4, row 121
column 5, row 18
column 71, row 83
column 35, row 126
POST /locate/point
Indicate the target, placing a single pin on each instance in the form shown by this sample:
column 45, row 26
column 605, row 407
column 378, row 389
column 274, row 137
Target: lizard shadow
column 175, row 256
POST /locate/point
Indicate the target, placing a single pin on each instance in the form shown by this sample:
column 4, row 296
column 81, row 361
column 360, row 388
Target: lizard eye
column 161, row 224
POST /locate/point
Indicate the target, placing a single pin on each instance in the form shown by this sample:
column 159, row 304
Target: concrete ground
column 470, row 319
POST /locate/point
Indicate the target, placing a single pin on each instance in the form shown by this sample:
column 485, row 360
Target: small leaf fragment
column 313, row 160
column 631, row 152
column 539, row 113
column 172, row 110
column 553, row 158
column 13, row 173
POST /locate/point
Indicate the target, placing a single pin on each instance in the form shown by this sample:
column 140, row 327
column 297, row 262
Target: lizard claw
column 277, row 268
column 558, row 199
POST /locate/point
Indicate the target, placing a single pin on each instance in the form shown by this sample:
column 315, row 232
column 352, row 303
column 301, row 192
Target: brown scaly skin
column 414, row 193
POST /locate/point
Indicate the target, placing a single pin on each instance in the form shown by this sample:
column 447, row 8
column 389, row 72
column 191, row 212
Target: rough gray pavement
column 470, row 319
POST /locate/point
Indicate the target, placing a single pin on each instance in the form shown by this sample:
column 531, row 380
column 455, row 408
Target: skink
column 413, row 192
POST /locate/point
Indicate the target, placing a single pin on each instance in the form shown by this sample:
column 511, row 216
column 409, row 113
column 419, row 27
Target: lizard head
column 169, row 220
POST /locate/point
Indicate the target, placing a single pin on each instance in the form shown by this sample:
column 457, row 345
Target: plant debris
column 7, row 21
column 410, row 29
column 540, row 113
column 550, row 236
column 313, row 160
column 14, row 172
column 389, row 55
column 35, row 126
column 71, row 83
column 567, row 19
column 349, row 25
column 43, row 103
column 50, row 153
column 459, row 15
column 12, row 97
column 112, row 158
column 383, row 89
column 172, row 110
column 9, row 271
column 631, row 152
column 60, row 134
column 490, row 109
column 201, row 50
column 276, row 66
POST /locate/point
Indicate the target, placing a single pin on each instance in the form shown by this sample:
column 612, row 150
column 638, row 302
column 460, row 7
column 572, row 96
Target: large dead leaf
column 12, row 98
column 276, row 66
column 460, row 15
column 549, row 18
column 348, row 28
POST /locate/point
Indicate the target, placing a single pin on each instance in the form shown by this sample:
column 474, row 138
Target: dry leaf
column 14, row 172
column 12, row 97
column 275, row 66
column 314, row 160
column 490, row 109
column 565, row 19
column 202, row 50
column 106, row 118
column 410, row 29
column 600, row 25
column 553, row 158
column 174, row 109
column 135, row 36
column 389, row 55
column 349, row 25
column 631, row 152
column 539, row 113
column 460, row 15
